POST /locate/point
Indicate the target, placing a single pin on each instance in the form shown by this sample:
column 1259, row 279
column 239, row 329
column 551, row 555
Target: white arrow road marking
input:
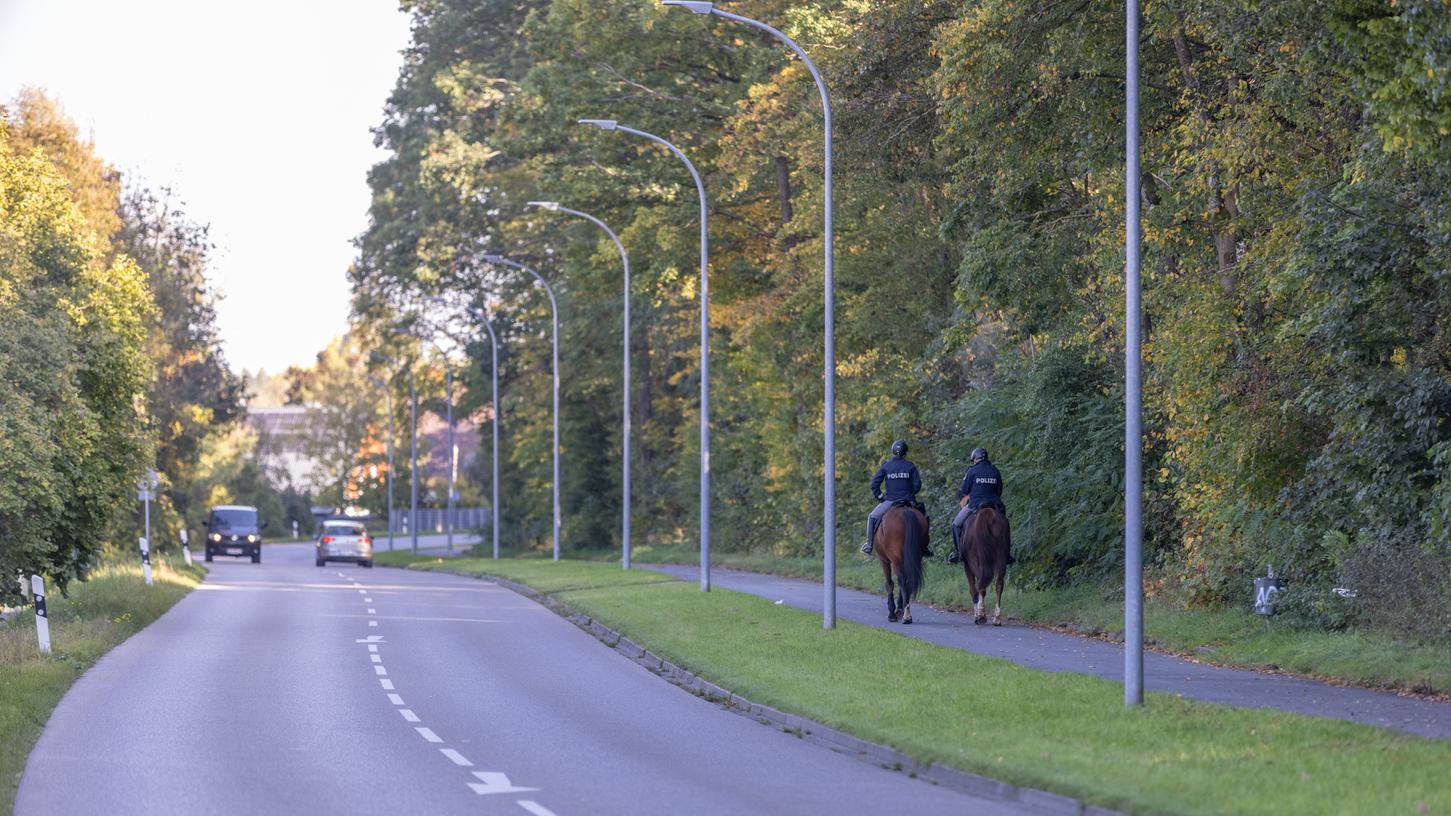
column 370, row 639
column 458, row 759
column 535, row 808
column 427, row 733
column 490, row 782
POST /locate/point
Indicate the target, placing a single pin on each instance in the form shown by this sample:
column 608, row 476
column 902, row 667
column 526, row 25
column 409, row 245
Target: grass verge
column 1066, row 733
column 100, row 613
column 1225, row 637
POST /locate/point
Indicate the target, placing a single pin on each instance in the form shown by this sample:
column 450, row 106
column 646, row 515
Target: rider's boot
column 953, row 556
column 871, row 530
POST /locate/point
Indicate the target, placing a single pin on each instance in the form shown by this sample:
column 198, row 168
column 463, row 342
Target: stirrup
column 866, row 548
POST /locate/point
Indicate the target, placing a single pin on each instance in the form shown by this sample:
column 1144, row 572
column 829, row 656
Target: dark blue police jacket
column 982, row 485
column 902, row 479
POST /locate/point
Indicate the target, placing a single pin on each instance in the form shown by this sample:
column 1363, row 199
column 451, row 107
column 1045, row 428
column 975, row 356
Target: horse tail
column 914, row 544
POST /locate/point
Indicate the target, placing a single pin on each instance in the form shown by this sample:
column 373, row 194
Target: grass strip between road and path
column 100, row 613
column 1065, row 733
column 1220, row 636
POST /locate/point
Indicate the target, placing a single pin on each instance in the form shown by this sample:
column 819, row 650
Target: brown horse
column 899, row 543
column 985, row 559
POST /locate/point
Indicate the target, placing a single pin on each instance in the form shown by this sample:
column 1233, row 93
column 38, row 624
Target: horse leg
column 905, row 605
column 998, row 611
column 891, row 598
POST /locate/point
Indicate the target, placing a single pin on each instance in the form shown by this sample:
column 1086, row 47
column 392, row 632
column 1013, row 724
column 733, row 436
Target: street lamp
column 554, row 206
column 828, row 607
column 611, row 124
column 494, row 379
column 554, row 314
column 388, row 394
column 452, row 451
column 413, row 466
column 1133, row 382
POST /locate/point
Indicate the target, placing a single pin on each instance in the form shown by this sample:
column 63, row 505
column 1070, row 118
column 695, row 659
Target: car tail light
column 327, row 539
column 367, row 540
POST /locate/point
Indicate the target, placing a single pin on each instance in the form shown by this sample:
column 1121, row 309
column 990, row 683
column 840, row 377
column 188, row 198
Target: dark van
column 234, row 530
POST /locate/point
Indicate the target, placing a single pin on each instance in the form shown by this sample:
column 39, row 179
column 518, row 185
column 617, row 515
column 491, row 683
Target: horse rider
column 902, row 482
column 983, row 487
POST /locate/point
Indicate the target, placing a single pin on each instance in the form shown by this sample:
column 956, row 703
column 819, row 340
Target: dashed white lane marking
column 427, row 733
column 408, row 714
column 372, row 623
column 395, row 699
column 367, row 600
column 372, row 611
column 372, row 647
column 380, row 670
column 387, row 684
column 491, row 782
column 376, row 658
column 458, row 759
column 362, row 592
column 535, row 808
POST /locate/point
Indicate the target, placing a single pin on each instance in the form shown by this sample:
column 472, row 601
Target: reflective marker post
column 42, row 621
column 146, row 560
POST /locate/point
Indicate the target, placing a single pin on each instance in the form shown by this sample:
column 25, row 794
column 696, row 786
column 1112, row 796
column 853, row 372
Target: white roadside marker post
column 185, row 550
column 146, row 559
column 42, row 622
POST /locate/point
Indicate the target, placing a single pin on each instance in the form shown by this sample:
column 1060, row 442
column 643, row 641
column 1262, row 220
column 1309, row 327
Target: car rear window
column 345, row 529
column 234, row 518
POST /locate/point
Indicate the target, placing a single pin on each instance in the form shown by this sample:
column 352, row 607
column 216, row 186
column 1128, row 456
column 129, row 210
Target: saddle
column 912, row 503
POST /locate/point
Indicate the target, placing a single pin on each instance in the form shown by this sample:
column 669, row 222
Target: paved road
column 284, row 688
column 1047, row 650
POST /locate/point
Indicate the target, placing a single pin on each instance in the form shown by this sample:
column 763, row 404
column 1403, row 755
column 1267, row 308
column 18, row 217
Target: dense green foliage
column 1297, row 233
column 109, row 359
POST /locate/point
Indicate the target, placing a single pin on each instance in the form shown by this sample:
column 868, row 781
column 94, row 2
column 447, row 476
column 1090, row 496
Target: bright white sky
column 256, row 114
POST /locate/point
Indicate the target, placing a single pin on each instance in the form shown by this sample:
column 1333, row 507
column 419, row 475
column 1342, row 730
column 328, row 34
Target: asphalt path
column 1047, row 650
column 282, row 687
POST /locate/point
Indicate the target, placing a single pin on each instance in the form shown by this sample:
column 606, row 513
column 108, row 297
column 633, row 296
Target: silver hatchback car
column 342, row 540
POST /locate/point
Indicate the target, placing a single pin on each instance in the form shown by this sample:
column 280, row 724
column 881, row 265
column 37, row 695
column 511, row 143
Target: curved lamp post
column 494, row 381
column 611, row 124
column 554, row 206
column 413, row 467
column 828, row 607
column 554, row 314
column 388, row 394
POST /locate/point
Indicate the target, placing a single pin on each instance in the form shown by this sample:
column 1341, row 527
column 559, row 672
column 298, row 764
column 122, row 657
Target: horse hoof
column 906, row 620
column 980, row 621
column 997, row 621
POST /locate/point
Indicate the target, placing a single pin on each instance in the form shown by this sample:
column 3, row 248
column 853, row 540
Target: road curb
column 1031, row 799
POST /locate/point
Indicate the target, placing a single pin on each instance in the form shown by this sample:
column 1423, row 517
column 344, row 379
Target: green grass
column 1226, row 637
column 1063, row 732
column 98, row 615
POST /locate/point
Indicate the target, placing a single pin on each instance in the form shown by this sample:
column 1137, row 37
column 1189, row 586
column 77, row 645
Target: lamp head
column 694, row 5
column 602, row 124
column 552, row 206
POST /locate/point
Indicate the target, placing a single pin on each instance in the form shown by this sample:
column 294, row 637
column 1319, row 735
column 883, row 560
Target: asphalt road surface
column 281, row 687
column 1046, row 650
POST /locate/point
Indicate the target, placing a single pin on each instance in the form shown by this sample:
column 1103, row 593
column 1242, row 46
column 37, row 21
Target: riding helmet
column 899, row 448
column 978, row 455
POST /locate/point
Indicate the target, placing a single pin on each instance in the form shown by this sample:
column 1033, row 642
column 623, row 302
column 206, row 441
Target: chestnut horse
column 985, row 559
column 899, row 543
